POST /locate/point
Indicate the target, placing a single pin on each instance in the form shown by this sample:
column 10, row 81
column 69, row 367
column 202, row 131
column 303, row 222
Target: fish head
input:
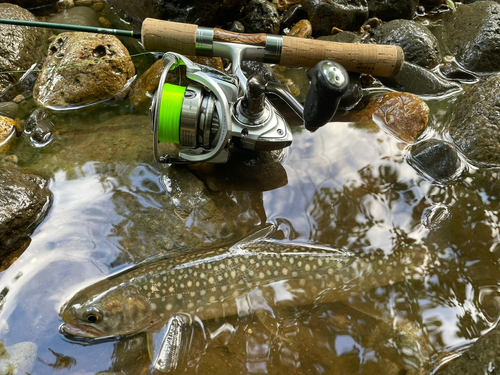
column 119, row 311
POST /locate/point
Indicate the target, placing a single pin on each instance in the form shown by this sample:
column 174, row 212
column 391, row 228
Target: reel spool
column 198, row 118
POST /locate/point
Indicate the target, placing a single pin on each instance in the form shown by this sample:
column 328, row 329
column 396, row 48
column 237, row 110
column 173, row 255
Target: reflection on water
column 347, row 188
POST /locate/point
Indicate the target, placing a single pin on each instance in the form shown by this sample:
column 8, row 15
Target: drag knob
column 328, row 83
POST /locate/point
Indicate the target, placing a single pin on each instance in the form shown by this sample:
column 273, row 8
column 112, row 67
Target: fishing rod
column 190, row 39
column 216, row 108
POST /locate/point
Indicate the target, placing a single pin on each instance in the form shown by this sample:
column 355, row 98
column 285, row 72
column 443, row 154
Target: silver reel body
column 212, row 114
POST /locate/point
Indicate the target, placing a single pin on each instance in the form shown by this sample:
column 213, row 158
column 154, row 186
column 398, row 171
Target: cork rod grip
column 375, row 59
column 162, row 36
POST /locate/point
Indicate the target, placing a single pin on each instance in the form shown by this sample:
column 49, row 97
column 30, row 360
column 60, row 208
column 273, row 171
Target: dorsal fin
column 261, row 235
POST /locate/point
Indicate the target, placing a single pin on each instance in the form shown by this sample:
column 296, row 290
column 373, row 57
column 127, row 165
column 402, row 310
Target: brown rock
column 282, row 5
column 145, row 87
column 85, row 3
column 8, row 129
column 402, row 114
column 302, row 29
column 98, row 6
column 105, row 22
column 96, row 67
column 20, row 47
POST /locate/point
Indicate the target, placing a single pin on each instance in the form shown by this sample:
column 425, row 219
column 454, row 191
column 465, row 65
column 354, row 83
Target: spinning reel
column 215, row 108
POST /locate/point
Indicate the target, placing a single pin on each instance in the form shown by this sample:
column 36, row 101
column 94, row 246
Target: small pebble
column 97, row 7
column 18, row 99
column 105, row 22
column 85, row 3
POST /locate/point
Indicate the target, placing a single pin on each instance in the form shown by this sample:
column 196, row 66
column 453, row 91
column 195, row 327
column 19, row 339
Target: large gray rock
column 475, row 123
column 97, row 67
column 343, row 14
column 83, row 16
column 418, row 43
column 472, row 34
column 20, row 47
column 388, row 10
column 200, row 12
column 24, row 199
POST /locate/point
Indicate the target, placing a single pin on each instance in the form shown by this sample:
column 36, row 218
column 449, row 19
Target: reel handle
column 187, row 39
column 329, row 83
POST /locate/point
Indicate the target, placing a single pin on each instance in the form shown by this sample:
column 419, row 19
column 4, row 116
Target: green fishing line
column 170, row 113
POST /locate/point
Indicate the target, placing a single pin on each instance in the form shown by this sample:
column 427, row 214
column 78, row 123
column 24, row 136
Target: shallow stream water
column 347, row 187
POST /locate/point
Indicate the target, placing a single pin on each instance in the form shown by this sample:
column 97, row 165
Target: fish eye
column 92, row 315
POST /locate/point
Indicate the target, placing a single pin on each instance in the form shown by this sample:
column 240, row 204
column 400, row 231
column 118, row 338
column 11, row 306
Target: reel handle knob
column 328, row 84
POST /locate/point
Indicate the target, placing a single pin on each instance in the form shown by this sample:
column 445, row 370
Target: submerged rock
column 24, row 199
column 472, row 35
column 402, row 114
column 97, row 67
column 474, row 126
column 343, row 14
column 39, row 126
column 20, row 47
column 437, row 160
column 418, row 43
column 261, row 16
column 18, row 359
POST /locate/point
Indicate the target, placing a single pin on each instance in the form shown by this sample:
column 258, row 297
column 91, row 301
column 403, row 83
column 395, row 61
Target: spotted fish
column 257, row 273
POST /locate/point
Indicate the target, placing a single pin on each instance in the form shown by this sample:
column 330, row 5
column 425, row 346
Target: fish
column 257, row 273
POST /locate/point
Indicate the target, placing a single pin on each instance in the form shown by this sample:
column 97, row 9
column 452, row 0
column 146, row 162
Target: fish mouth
column 77, row 331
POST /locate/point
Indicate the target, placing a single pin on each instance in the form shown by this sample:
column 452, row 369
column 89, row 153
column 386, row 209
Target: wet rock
column 24, row 200
column 404, row 115
column 292, row 15
column 436, row 160
column 392, row 9
column 18, row 359
column 282, row 5
column 8, row 128
column 80, row 82
column 261, row 16
column 147, row 84
column 237, row 27
column 353, row 95
column 9, row 109
column 343, row 14
column 418, row 43
column 479, row 359
column 20, row 47
column 472, row 36
column 39, row 126
column 28, row 4
column 200, row 12
column 342, row 37
column 474, row 123
column 83, row 16
column 420, row 81
column 455, row 73
column 302, row 29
